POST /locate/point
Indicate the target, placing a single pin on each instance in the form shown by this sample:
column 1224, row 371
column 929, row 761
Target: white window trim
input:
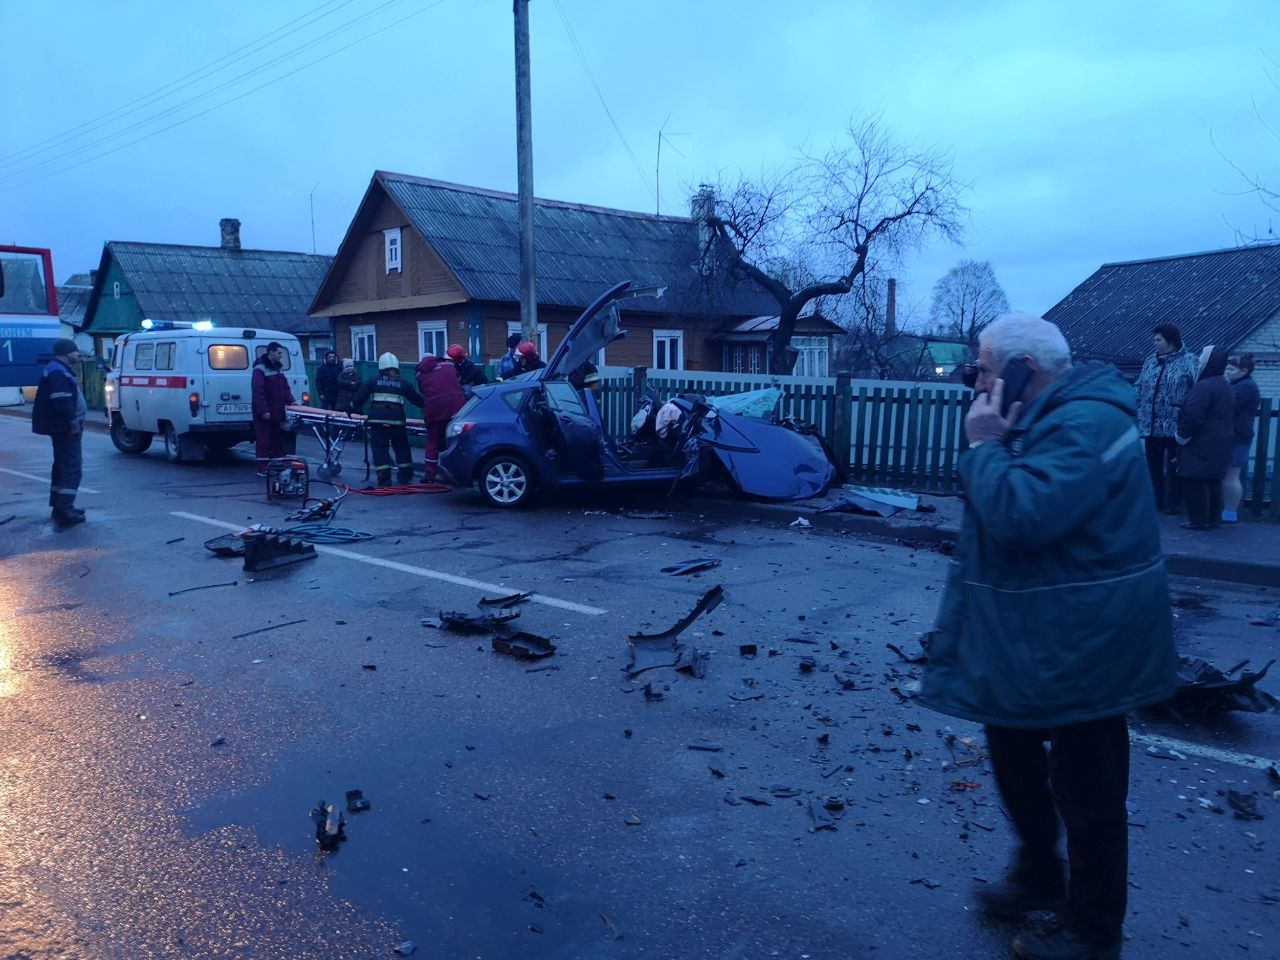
column 513, row 326
column 393, row 249
column 432, row 326
column 678, row 337
column 812, row 349
column 359, row 331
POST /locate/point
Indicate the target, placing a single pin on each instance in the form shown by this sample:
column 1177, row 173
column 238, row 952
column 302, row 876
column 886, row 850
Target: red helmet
column 456, row 353
column 527, row 349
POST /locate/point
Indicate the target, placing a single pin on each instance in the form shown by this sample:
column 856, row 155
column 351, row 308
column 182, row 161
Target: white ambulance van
column 192, row 386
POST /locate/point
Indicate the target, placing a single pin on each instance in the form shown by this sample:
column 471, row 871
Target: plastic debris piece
column 808, row 664
column 708, row 747
column 477, row 622
column 710, row 600
column 356, row 803
column 691, row 566
column 219, row 742
column 330, row 825
column 651, row 695
column 693, row 661
column 530, row 646
column 756, row 801
column 910, row 656
column 1203, row 689
column 1244, row 805
column 800, row 522
column 266, row 551
column 406, row 949
column 748, row 649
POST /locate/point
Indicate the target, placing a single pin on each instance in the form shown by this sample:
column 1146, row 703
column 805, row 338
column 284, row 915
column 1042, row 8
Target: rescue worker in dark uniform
column 58, row 413
column 441, row 398
column 387, row 395
column 271, row 394
column 471, row 374
column 527, row 358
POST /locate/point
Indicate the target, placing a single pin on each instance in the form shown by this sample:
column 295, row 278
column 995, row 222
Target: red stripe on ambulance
column 177, row 383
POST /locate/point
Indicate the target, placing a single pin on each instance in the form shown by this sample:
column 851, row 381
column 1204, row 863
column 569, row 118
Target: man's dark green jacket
column 1056, row 609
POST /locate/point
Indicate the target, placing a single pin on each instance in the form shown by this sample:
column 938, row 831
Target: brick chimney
column 891, row 311
column 230, row 233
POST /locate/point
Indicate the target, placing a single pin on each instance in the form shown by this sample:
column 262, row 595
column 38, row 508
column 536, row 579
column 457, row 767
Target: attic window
column 391, row 239
column 115, row 289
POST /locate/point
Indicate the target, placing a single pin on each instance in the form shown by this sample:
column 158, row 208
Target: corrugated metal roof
column 272, row 289
column 73, row 299
column 580, row 250
column 1218, row 297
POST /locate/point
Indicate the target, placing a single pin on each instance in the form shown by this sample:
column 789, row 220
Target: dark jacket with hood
column 1246, row 403
column 271, row 393
column 441, row 390
column 59, row 406
column 327, row 382
column 1056, row 609
column 1206, row 423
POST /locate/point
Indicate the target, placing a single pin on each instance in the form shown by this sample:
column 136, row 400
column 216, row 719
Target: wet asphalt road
column 555, row 813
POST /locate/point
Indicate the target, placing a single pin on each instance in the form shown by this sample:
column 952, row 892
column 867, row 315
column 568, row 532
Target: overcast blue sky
column 1085, row 131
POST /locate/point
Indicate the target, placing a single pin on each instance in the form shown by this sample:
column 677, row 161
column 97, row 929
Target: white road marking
column 1208, row 753
column 415, row 571
column 29, row 476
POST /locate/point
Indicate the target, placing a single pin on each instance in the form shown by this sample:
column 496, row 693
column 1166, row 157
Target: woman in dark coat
column 1247, row 401
column 348, row 384
column 1206, row 425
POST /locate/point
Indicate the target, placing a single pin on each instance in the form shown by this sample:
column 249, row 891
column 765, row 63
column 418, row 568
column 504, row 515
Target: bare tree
column 967, row 299
column 1255, row 183
column 813, row 229
column 869, row 349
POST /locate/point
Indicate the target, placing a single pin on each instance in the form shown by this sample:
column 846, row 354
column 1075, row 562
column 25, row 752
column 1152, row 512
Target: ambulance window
column 228, row 356
column 164, row 355
column 143, row 356
column 261, row 351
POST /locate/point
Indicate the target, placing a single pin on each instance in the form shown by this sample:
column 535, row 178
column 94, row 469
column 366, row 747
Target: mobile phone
column 1015, row 375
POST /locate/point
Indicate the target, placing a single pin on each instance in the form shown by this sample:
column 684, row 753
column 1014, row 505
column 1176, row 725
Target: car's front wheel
column 505, row 480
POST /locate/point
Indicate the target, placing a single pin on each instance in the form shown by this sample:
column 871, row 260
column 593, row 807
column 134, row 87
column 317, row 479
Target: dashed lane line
column 29, row 476
column 414, row 570
column 1216, row 754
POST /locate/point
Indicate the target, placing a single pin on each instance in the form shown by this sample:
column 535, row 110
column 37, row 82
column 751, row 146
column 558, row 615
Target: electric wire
column 586, row 67
column 198, row 98
column 186, row 80
column 7, row 186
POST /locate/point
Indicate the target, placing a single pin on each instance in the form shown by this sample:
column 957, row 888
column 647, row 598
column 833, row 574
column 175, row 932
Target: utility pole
column 524, row 174
column 313, row 216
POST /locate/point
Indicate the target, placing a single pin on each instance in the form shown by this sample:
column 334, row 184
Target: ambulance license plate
column 232, row 408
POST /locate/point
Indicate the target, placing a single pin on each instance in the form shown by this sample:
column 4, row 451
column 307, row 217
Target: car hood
column 766, row 460
column 595, row 329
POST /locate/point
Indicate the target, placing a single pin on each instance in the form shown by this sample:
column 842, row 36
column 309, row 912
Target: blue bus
column 28, row 314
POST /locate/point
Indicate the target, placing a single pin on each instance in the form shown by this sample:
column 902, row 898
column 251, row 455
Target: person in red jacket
column 271, row 394
column 441, row 399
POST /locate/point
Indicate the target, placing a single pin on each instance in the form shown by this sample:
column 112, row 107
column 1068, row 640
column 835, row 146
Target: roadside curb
column 1180, row 564
column 91, row 422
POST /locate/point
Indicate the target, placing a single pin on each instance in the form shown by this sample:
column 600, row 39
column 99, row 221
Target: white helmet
column 388, row 361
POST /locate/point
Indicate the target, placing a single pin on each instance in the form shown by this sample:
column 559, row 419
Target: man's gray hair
column 1026, row 335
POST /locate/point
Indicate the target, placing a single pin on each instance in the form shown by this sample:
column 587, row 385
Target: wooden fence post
column 640, row 383
column 841, row 437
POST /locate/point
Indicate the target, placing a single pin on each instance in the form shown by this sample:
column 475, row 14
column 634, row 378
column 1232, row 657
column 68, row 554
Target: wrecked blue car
column 538, row 432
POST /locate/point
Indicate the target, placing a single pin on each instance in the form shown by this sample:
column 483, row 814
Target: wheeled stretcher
column 332, row 429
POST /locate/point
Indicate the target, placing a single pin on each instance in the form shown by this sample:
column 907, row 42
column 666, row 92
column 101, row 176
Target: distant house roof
column 73, row 299
column 1217, row 297
column 760, row 328
column 272, row 289
column 580, row 250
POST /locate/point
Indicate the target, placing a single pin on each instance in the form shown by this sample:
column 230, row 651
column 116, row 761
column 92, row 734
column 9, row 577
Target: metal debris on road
column 748, row 650
column 406, row 949
column 206, row 586
column 1203, row 689
column 705, row 746
column 1244, row 805
column 266, row 551
column 174, row 540
column 909, row 657
column 504, row 602
column 274, row 626
column 330, row 825
column 471, row 623
column 710, row 600
column 651, row 695
column 356, row 803
column 691, row 566
column 800, row 522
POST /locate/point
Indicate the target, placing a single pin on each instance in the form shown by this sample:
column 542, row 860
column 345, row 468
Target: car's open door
column 574, row 434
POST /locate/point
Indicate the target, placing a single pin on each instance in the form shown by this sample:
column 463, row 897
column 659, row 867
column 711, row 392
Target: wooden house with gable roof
column 227, row 285
column 425, row 264
column 1225, row 297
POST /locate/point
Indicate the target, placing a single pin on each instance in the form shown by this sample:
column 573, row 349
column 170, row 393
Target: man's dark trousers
column 1162, row 461
column 64, row 478
column 385, row 438
column 1085, row 776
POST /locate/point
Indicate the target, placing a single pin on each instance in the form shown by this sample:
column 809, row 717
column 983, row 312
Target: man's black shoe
column 1008, row 900
column 68, row 517
column 1056, row 942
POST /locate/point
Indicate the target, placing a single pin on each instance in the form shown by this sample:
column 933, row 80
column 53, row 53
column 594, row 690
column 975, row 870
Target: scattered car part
column 266, row 551
column 356, row 803
column 476, row 623
column 206, row 586
column 330, row 825
column 504, row 602
column 1203, row 689
column 710, row 600
column 691, row 566
column 527, row 645
column 274, row 626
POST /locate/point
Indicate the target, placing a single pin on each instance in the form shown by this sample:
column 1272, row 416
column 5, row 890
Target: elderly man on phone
column 1055, row 624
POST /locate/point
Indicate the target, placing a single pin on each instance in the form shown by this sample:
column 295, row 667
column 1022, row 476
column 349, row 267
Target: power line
column 9, row 176
column 586, row 67
column 163, row 91
column 284, row 76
